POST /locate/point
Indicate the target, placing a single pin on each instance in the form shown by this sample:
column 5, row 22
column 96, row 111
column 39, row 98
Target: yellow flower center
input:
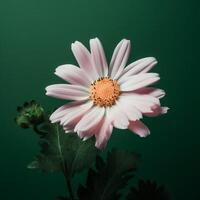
column 104, row 91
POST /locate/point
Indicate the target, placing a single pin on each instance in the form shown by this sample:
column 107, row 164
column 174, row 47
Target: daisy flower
column 106, row 96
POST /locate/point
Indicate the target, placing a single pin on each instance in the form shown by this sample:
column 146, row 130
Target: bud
column 30, row 114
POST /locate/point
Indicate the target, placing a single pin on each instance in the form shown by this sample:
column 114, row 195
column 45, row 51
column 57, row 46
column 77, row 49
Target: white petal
column 138, row 81
column 90, row 119
column 119, row 58
column 84, row 60
column 66, row 91
column 98, row 57
column 72, row 74
column 139, row 66
column 139, row 128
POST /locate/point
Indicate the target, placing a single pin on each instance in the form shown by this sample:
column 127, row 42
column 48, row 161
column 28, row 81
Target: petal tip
column 165, row 110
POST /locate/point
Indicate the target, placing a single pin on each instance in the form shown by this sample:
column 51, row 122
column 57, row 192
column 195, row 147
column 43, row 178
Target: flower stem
column 68, row 181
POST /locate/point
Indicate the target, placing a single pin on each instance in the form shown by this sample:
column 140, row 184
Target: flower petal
column 138, row 81
column 126, row 105
column 66, row 91
column 84, row 60
column 143, row 103
column 98, row 57
column 75, row 115
column 88, row 133
column 57, row 115
column 158, row 93
column 140, row 66
column 139, row 128
column 90, row 119
column 72, row 74
column 104, row 133
column 156, row 111
column 119, row 58
column 118, row 118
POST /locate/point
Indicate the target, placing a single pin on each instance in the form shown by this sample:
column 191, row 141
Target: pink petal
column 90, row 119
column 139, row 128
column 76, row 113
column 138, row 81
column 139, row 66
column 119, row 58
column 156, row 111
column 72, row 74
column 118, row 118
column 158, row 93
column 98, row 57
column 104, row 133
column 67, row 130
column 84, row 60
column 90, row 132
column 66, row 91
column 143, row 103
column 63, row 110
column 129, row 109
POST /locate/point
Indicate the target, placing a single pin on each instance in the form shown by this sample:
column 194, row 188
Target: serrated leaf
column 147, row 190
column 64, row 152
column 109, row 178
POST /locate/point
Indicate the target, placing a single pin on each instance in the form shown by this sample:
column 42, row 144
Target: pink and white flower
column 105, row 96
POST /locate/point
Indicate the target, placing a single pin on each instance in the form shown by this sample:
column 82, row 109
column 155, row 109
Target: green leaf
column 147, row 190
column 64, row 152
column 109, row 178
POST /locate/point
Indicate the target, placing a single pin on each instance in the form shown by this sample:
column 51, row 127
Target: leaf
column 62, row 198
column 109, row 178
column 147, row 190
column 64, row 152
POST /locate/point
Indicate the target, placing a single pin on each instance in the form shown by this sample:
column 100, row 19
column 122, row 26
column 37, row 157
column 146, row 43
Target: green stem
column 69, row 187
column 68, row 181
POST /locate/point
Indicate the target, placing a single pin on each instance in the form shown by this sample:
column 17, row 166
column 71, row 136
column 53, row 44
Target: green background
column 35, row 37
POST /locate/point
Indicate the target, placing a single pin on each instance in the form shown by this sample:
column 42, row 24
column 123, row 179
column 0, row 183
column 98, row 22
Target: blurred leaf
column 62, row 198
column 109, row 178
column 64, row 152
column 147, row 190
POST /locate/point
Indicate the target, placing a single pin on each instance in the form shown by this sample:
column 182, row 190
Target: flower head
column 105, row 96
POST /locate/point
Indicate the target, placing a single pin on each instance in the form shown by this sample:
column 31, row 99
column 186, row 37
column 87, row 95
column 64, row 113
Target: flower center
column 104, row 91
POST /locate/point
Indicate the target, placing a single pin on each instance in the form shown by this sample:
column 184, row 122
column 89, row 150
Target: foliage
column 147, row 190
column 67, row 153
column 109, row 177
column 64, row 152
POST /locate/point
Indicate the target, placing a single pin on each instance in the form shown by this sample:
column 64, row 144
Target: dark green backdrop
column 35, row 37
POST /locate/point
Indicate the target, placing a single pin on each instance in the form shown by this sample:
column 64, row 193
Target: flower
column 105, row 97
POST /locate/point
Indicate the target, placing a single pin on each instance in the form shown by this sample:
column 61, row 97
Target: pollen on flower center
column 104, row 91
